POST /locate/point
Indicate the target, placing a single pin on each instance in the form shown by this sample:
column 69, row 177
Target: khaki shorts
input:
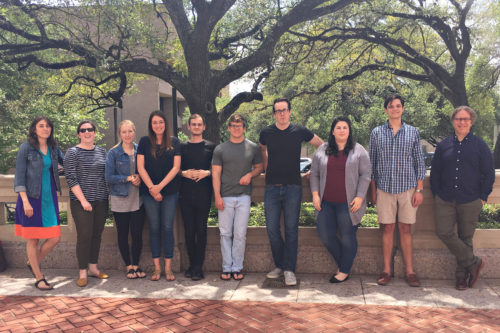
column 388, row 205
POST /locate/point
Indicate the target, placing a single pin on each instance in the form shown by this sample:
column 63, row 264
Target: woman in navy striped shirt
column 84, row 169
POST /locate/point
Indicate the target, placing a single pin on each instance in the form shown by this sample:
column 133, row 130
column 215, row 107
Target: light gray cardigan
column 358, row 172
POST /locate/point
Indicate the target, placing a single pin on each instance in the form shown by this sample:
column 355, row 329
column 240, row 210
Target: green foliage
column 26, row 95
column 489, row 217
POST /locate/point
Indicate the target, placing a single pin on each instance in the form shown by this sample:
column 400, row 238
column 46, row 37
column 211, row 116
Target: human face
column 462, row 123
column 86, row 137
column 341, row 132
column 395, row 109
column 196, row 126
column 43, row 130
column 158, row 125
column 127, row 134
column 282, row 113
column 236, row 131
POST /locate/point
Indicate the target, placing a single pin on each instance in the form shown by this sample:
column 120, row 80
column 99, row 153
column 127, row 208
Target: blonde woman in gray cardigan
column 340, row 176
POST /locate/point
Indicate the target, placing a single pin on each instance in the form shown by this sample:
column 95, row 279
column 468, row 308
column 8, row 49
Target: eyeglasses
column 236, row 126
column 462, row 119
column 281, row 111
column 83, row 130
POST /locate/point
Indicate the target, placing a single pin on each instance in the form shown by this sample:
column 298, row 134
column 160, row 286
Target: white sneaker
column 275, row 273
column 290, row 279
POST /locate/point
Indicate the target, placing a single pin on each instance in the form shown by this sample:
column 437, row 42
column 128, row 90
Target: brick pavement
column 79, row 314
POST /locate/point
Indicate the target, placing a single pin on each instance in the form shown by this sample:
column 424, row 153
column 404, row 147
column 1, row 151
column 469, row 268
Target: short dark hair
column 194, row 116
column 33, row 138
column 282, row 99
column 86, row 121
column 392, row 97
column 239, row 119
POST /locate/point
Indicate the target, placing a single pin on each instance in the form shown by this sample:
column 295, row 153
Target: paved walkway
column 212, row 305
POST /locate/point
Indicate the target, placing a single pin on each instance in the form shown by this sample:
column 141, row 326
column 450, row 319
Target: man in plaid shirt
column 398, row 173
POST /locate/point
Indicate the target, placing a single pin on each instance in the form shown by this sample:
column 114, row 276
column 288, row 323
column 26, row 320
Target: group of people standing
column 152, row 177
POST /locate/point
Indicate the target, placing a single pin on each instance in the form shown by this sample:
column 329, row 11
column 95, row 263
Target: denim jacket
column 117, row 170
column 29, row 166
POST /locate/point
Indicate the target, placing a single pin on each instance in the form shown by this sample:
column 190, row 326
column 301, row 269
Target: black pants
column 195, row 208
column 89, row 227
column 133, row 223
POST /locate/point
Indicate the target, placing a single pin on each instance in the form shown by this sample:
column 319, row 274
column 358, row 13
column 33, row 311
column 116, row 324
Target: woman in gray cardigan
column 340, row 176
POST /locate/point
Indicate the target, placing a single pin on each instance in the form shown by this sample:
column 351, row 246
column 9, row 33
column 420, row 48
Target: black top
column 159, row 167
column 462, row 171
column 196, row 156
column 283, row 150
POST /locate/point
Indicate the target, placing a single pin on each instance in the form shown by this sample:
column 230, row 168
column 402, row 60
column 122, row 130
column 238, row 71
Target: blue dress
column 45, row 220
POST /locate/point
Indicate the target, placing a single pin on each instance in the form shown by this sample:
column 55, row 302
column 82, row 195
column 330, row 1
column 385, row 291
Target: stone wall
column 431, row 258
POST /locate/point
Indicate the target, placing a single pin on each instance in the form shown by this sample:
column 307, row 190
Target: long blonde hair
column 120, row 125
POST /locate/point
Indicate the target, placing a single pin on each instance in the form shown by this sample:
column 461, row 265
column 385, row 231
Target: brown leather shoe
column 461, row 283
column 474, row 272
column 81, row 282
column 383, row 279
column 412, row 280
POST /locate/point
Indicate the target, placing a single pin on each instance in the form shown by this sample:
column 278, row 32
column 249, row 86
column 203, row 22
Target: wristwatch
column 419, row 191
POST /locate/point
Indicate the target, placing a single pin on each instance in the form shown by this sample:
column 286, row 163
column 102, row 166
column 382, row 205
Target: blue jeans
column 286, row 198
column 233, row 224
column 335, row 217
column 161, row 223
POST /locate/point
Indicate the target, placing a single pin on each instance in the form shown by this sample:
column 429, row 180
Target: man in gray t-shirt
column 234, row 164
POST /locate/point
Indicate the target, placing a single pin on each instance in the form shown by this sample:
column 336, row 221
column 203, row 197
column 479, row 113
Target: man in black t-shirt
column 280, row 147
column 196, row 193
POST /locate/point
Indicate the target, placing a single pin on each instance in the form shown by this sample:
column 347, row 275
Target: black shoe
column 188, row 273
column 333, row 279
column 197, row 275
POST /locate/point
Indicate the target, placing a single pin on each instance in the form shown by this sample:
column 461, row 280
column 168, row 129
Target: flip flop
column 225, row 276
column 139, row 272
column 236, row 274
column 131, row 274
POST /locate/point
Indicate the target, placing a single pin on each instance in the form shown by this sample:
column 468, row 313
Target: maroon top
column 335, row 179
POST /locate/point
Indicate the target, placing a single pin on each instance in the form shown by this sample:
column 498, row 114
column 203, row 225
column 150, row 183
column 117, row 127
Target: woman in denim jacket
column 37, row 182
column 124, row 197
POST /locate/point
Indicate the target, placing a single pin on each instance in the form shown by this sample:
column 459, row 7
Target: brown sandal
column 383, row 279
column 156, row 276
column 169, row 275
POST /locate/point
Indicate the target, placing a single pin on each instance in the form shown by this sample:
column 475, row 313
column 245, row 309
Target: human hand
column 246, row 179
column 317, row 202
column 200, row 174
column 28, row 210
column 355, row 204
column 417, row 199
column 135, row 179
column 154, row 190
column 86, row 206
column 158, row 197
column 219, row 203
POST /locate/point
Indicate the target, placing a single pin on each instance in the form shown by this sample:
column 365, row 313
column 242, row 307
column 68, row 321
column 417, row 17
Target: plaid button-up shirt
column 397, row 160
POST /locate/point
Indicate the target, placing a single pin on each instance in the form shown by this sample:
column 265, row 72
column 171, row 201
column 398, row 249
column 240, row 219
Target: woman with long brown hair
column 37, row 182
column 158, row 164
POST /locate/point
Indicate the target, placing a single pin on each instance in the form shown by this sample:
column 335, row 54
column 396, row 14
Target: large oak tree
column 197, row 46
